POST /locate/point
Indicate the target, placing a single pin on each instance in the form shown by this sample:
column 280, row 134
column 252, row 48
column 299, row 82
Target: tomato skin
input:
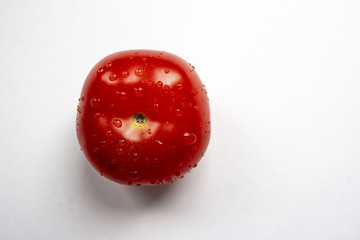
column 167, row 91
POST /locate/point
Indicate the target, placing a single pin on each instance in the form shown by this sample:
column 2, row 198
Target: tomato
column 143, row 117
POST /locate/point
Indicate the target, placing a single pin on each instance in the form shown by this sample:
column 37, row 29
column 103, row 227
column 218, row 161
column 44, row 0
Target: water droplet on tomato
column 168, row 180
column 103, row 143
column 100, row 71
column 178, row 112
column 119, row 151
column 78, row 109
column 195, row 165
column 138, row 91
column 121, row 142
column 144, row 58
column 95, row 150
column 117, row 123
column 179, row 86
column 113, row 77
column 95, row 102
column 149, row 131
column 125, row 74
column 123, row 95
column 196, row 107
column 159, row 84
column 166, row 87
column 82, row 98
column 166, row 71
column 139, row 72
column 108, row 133
column 189, row 138
column 134, row 175
column 177, row 174
column 108, row 64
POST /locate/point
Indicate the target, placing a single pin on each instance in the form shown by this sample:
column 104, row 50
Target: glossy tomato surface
column 143, row 117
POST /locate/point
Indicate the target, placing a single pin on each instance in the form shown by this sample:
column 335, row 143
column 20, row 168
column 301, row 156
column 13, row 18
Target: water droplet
column 108, row 64
column 95, row 102
column 135, row 53
column 171, row 93
column 178, row 112
column 168, row 180
column 97, row 115
column 125, row 74
column 131, row 58
column 159, row 142
column 138, row 91
column 177, row 174
column 166, row 71
column 166, row 87
column 82, row 98
column 119, row 151
column 121, row 142
column 133, row 175
column 196, row 107
column 195, row 165
column 95, row 150
column 139, row 72
column 144, row 58
column 179, row 86
column 100, row 70
column 103, row 143
column 159, row 84
column 113, row 77
column 108, row 132
column 189, row 138
column 123, row 95
column 117, row 123
column 149, row 131
column 78, row 109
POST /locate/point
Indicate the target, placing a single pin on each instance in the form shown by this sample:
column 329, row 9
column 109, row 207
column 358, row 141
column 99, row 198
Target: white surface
column 283, row 78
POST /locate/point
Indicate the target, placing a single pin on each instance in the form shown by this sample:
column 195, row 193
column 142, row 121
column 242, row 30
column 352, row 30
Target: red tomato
column 143, row 117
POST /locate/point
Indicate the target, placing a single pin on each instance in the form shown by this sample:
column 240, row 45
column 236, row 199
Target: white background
column 283, row 79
